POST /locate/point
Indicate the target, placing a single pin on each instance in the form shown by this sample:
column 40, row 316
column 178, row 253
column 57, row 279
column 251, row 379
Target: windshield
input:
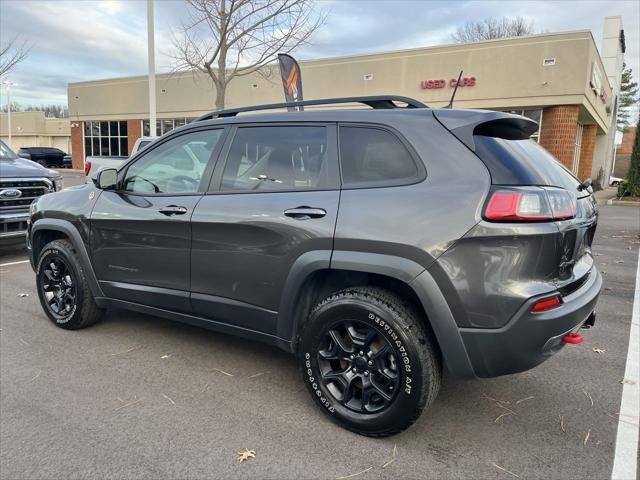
column 6, row 152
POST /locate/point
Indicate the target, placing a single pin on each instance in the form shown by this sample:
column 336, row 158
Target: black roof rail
column 375, row 102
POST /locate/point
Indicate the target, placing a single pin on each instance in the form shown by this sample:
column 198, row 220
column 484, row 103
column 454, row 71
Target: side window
column 374, row 157
column 277, row 158
column 175, row 166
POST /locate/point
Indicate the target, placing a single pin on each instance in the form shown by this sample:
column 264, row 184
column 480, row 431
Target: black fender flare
column 66, row 227
column 304, row 266
column 407, row 271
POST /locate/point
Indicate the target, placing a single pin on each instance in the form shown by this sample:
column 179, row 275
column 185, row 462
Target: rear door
column 273, row 199
column 141, row 233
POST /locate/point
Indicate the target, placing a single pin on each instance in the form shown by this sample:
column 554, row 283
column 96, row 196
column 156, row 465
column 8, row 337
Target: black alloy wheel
column 369, row 360
column 358, row 367
column 58, row 288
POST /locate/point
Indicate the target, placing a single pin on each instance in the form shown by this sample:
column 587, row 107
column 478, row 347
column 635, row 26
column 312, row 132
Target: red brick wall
column 586, row 151
column 558, row 131
column 627, row 142
column 134, row 132
column 77, row 147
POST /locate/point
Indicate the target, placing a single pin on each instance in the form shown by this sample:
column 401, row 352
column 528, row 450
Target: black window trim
column 419, row 164
column 206, row 175
column 215, row 186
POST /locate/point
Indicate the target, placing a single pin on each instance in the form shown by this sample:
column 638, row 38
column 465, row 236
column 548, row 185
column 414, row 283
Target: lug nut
column 353, row 370
column 352, row 357
column 361, row 352
column 366, row 374
column 370, row 363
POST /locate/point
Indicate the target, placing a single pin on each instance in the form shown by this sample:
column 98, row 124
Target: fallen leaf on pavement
column 393, row 457
column 21, row 295
column 246, row 455
column 599, row 350
column 503, row 469
column 354, row 474
column 166, row 355
column 586, row 438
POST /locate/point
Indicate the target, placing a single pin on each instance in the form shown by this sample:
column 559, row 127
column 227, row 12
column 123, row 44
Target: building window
column 165, row 125
column 106, row 138
column 576, row 150
column 535, row 115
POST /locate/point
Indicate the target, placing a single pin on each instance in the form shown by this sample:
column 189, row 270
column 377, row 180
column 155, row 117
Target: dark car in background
column 21, row 182
column 45, row 156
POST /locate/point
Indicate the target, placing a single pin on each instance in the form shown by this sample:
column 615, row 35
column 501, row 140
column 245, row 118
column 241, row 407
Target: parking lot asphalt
column 141, row 397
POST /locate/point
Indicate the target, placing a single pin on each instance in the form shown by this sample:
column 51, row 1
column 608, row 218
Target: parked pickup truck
column 94, row 163
column 21, row 182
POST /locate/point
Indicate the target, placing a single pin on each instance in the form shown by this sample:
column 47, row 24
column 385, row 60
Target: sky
column 86, row 40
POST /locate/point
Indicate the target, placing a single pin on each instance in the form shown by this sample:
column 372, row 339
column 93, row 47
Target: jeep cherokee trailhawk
column 380, row 245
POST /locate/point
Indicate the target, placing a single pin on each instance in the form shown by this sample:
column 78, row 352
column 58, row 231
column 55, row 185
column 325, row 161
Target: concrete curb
column 623, row 202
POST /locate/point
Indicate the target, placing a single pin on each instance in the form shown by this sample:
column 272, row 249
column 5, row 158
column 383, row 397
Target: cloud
column 85, row 40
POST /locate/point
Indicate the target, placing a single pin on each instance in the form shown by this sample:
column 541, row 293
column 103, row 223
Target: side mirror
column 106, row 179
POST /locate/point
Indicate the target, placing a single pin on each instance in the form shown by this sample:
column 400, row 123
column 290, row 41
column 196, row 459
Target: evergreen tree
column 627, row 99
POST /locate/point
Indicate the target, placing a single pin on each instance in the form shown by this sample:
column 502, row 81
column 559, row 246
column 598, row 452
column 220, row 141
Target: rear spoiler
column 464, row 124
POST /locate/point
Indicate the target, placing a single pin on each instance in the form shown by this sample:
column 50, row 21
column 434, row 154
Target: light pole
column 152, row 69
column 8, row 84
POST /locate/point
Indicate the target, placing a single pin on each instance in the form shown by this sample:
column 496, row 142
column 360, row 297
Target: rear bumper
column 530, row 338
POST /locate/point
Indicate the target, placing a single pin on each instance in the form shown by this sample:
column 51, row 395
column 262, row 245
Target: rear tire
column 368, row 361
column 63, row 289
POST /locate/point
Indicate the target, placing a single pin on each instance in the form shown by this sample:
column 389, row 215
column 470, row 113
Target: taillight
column 87, row 167
column 546, row 303
column 530, row 204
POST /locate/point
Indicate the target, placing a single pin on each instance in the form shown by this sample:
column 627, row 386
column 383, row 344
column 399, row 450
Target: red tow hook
column 574, row 338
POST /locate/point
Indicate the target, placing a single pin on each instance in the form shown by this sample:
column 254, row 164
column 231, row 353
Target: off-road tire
column 404, row 327
column 86, row 312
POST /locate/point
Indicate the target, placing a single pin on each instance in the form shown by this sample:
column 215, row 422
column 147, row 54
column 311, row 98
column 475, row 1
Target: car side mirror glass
column 106, row 179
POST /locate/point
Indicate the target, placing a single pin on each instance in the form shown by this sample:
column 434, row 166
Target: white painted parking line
column 13, row 263
column 625, row 461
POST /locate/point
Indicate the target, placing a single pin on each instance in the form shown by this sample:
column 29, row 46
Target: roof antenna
column 453, row 95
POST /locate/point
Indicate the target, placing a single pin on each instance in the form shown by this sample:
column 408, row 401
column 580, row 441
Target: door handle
column 305, row 213
column 173, row 210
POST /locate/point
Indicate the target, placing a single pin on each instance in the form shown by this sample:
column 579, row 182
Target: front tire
column 368, row 361
column 63, row 289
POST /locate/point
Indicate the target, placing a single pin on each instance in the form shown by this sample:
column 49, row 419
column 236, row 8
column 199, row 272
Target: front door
column 141, row 233
column 273, row 200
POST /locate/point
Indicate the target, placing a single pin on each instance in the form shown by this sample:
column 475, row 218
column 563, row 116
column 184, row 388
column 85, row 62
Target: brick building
column 623, row 153
column 560, row 80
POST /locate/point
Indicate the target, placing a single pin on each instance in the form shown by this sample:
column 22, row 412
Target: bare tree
column 11, row 54
column 229, row 38
column 490, row 28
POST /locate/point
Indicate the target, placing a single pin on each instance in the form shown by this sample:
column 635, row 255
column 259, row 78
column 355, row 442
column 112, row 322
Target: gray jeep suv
column 380, row 245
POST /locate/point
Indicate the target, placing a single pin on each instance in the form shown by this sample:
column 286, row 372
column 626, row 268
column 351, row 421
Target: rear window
column 522, row 162
column 375, row 157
